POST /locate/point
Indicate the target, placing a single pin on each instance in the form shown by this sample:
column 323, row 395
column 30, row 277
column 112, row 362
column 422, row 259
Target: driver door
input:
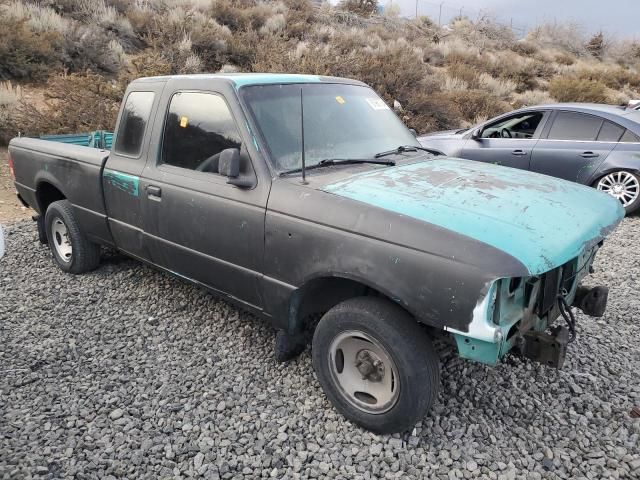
column 508, row 141
column 199, row 226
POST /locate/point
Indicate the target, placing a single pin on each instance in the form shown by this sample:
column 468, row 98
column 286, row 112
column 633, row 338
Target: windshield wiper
column 407, row 148
column 327, row 162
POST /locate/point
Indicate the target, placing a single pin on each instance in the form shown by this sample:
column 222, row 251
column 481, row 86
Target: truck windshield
column 340, row 121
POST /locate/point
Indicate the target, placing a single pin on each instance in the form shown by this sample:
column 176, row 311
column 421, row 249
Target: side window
column 630, row 137
column 198, row 127
column 575, row 126
column 133, row 123
column 523, row 125
column 610, row 132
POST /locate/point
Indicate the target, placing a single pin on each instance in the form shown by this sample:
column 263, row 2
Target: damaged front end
column 519, row 314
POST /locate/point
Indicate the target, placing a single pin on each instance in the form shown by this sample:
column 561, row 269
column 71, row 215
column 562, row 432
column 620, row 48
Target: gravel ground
column 127, row 372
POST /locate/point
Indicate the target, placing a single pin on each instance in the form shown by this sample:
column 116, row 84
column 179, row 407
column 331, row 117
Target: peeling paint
column 539, row 220
column 122, row 181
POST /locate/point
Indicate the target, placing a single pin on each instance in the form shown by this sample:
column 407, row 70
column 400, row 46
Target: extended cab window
column 575, row 126
column 198, row 127
column 133, row 123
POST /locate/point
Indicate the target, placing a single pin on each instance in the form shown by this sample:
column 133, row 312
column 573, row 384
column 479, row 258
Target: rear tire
column 71, row 250
column 376, row 365
column 623, row 185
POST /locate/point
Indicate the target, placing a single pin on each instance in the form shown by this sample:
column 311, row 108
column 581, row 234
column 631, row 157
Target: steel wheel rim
column 60, row 239
column 622, row 185
column 364, row 372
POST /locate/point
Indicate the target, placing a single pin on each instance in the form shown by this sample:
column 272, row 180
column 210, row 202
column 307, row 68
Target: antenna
column 304, row 167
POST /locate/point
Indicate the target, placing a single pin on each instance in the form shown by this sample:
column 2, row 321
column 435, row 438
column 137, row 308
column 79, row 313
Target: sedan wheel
column 622, row 185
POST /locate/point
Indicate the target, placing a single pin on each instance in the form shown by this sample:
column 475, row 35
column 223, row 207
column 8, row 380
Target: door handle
column 153, row 191
column 589, row 154
column 518, row 152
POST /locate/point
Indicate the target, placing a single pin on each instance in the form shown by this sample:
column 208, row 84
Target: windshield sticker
column 184, row 121
column 340, row 100
column 377, row 104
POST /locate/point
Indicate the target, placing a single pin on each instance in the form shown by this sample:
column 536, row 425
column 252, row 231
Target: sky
column 618, row 18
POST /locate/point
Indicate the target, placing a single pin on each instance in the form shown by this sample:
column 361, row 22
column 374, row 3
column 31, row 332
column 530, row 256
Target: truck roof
column 242, row 79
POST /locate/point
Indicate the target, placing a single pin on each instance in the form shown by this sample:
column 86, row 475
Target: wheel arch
column 320, row 293
column 48, row 191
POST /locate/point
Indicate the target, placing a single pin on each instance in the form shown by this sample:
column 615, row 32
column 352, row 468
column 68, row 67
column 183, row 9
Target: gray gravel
column 127, row 372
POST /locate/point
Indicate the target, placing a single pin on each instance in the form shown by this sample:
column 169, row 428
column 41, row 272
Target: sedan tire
column 376, row 364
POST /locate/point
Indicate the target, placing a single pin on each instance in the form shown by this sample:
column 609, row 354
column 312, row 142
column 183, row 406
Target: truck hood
column 541, row 221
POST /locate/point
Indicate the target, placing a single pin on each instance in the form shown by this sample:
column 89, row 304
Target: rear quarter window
column 133, row 123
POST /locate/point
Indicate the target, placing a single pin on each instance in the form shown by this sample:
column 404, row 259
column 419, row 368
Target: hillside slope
column 71, row 59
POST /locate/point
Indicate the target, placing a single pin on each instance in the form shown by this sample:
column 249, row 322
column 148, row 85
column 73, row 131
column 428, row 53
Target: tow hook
column 547, row 348
column 592, row 301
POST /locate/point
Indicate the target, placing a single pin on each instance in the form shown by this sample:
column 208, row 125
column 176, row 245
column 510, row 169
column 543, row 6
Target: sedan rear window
column 575, row 126
column 630, row 137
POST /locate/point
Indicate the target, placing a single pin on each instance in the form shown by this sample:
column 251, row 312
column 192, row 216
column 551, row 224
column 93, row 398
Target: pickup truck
column 300, row 197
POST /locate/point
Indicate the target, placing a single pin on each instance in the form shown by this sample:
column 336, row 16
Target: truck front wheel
column 377, row 366
column 72, row 251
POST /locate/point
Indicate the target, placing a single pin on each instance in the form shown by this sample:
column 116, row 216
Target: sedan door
column 508, row 141
column 575, row 146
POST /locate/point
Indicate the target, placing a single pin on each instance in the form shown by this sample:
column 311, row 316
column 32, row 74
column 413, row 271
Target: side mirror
column 413, row 131
column 229, row 163
column 475, row 135
column 229, row 166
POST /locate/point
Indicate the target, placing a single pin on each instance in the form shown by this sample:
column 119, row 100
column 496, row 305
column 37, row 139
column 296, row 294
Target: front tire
column 71, row 250
column 623, row 185
column 376, row 365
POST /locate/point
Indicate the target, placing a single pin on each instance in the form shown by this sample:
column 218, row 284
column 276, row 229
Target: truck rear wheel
column 71, row 250
column 376, row 365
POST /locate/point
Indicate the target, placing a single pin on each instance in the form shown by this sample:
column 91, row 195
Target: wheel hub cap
column 61, row 241
column 364, row 372
column 622, row 185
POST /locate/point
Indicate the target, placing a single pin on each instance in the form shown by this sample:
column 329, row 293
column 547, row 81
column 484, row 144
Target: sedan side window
column 523, row 125
column 575, row 126
column 630, row 137
column 198, row 127
column 610, row 132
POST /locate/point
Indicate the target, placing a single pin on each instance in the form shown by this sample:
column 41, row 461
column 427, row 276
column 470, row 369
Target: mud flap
column 547, row 348
column 42, row 233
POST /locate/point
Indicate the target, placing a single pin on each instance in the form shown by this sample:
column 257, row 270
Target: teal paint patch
column 272, row 78
column 542, row 221
column 477, row 350
column 122, row 181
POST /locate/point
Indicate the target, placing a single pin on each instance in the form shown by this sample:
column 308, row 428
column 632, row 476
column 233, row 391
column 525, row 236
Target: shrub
column 524, row 47
column 25, row 55
column 571, row 89
column 464, row 72
column 74, row 103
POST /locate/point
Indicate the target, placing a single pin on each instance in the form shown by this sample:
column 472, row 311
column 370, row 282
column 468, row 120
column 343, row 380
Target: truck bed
column 43, row 168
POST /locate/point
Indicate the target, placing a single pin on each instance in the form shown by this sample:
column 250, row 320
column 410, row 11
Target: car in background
column 592, row 144
column 633, row 105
